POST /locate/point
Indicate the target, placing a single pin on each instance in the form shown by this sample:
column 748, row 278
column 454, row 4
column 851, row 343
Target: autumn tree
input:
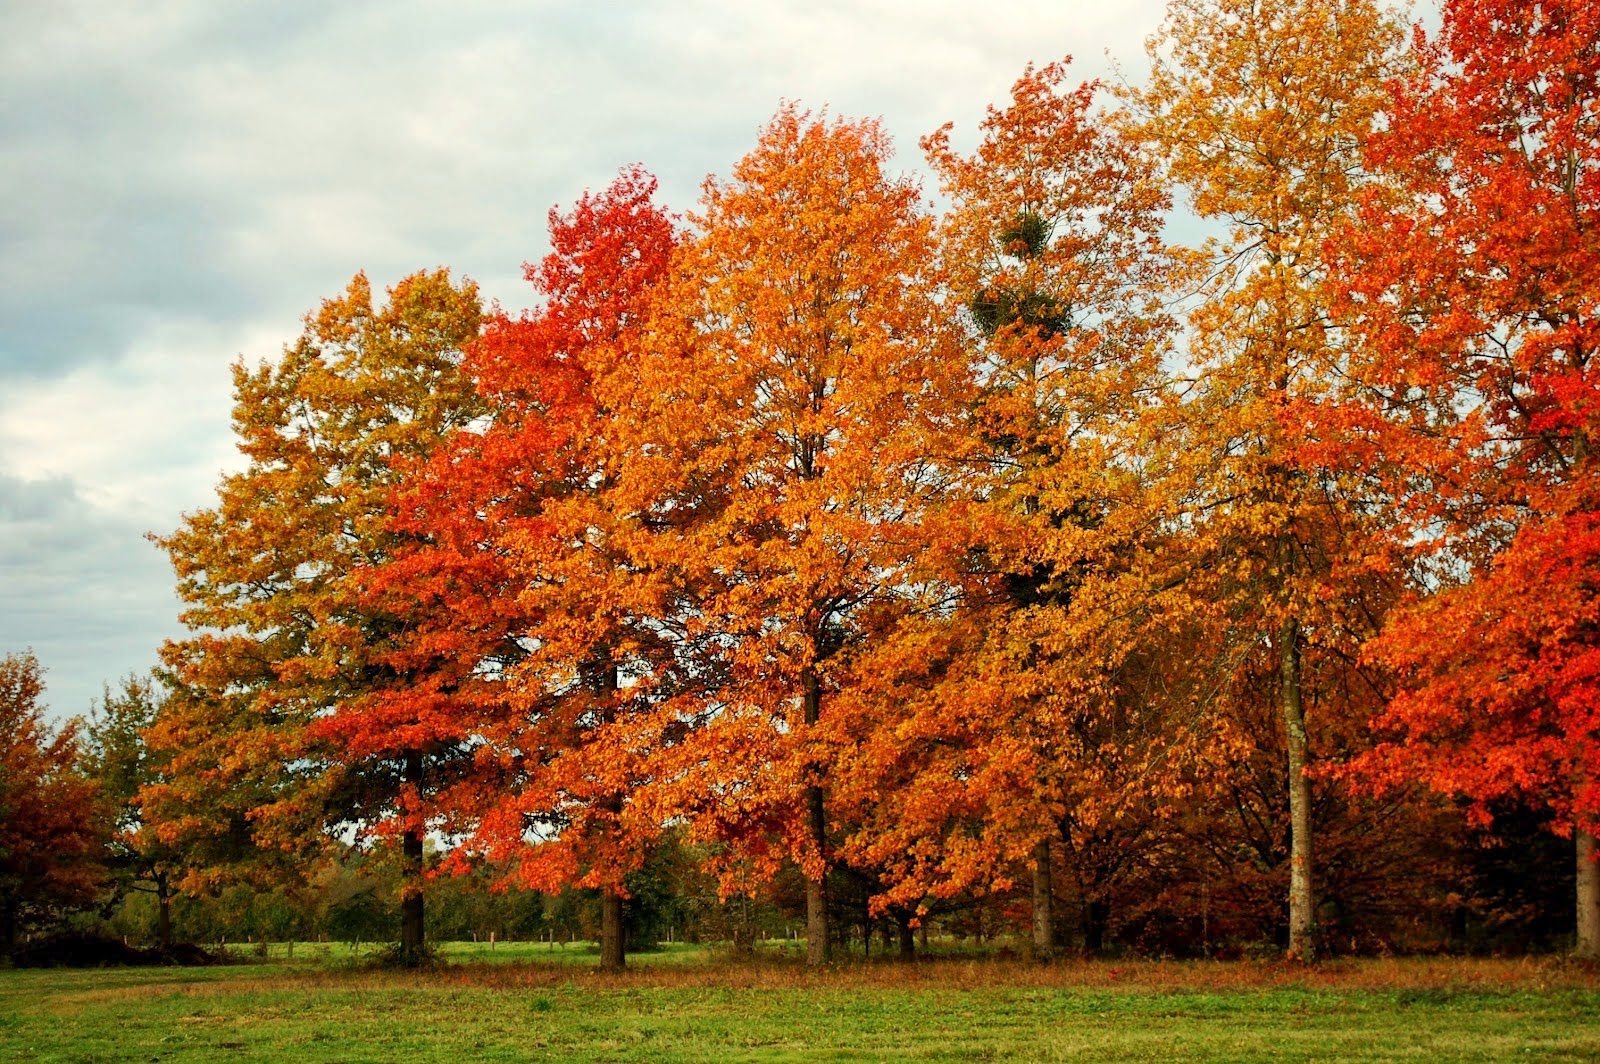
column 1052, row 246
column 52, row 823
column 290, row 721
column 793, row 374
column 122, row 763
column 1477, row 288
column 1259, row 109
column 521, row 550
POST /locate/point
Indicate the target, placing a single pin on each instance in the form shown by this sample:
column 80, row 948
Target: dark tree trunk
column 819, row 946
column 1095, row 915
column 613, row 930
column 163, row 913
column 908, row 939
column 1044, row 919
column 613, row 951
column 412, row 939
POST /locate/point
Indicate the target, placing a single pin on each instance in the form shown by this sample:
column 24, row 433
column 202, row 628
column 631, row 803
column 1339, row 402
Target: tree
column 522, row 551
column 1260, row 108
column 52, row 824
column 1517, row 717
column 803, row 333
column 291, row 722
column 121, row 762
column 1476, row 288
column 1053, row 247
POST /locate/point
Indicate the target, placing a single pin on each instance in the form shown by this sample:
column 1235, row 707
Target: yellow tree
column 1259, row 109
column 797, row 363
column 278, row 731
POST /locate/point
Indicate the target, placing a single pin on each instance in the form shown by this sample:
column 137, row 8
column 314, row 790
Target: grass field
column 527, row 1002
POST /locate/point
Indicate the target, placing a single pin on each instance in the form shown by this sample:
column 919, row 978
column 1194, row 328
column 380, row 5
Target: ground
column 525, row 1002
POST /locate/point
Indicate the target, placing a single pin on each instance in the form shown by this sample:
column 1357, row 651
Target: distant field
column 529, row 1002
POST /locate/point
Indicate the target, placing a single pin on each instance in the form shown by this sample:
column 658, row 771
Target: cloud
column 215, row 163
column 82, row 589
column 185, row 179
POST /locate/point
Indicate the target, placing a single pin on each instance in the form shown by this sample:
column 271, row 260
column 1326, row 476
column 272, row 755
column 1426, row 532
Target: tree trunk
column 613, row 957
column 163, row 913
column 908, row 940
column 819, row 945
column 1044, row 915
column 411, row 912
column 613, row 932
column 1588, row 897
column 1302, row 900
column 1094, row 916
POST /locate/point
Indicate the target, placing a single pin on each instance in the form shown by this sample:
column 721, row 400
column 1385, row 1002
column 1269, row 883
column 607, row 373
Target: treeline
column 1195, row 596
column 350, row 899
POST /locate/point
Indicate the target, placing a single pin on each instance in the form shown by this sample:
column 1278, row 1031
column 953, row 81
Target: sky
column 182, row 180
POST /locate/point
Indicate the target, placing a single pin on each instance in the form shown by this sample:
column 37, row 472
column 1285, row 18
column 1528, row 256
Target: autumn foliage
column 1006, row 562
column 53, row 822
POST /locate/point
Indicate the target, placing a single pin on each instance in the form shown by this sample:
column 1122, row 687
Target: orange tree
column 1259, row 109
column 994, row 730
column 1478, row 287
column 288, row 722
column 793, row 373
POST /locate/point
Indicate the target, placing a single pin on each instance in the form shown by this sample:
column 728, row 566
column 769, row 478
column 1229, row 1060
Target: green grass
column 688, row 1005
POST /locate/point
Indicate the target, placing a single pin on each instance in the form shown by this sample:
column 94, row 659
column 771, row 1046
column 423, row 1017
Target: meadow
column 533, row 1002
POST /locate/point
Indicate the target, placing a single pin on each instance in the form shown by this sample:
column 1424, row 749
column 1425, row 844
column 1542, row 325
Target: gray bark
column 1588, row 897
column 1302, row 899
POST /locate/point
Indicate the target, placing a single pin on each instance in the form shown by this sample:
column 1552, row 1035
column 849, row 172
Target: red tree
column 536, row 635
column 53, row 831
column 1478, row 286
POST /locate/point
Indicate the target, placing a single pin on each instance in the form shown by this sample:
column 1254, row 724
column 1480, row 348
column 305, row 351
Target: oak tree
column 522, row 553
column 981, row 746
column 795, row 370
column 122, row 763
